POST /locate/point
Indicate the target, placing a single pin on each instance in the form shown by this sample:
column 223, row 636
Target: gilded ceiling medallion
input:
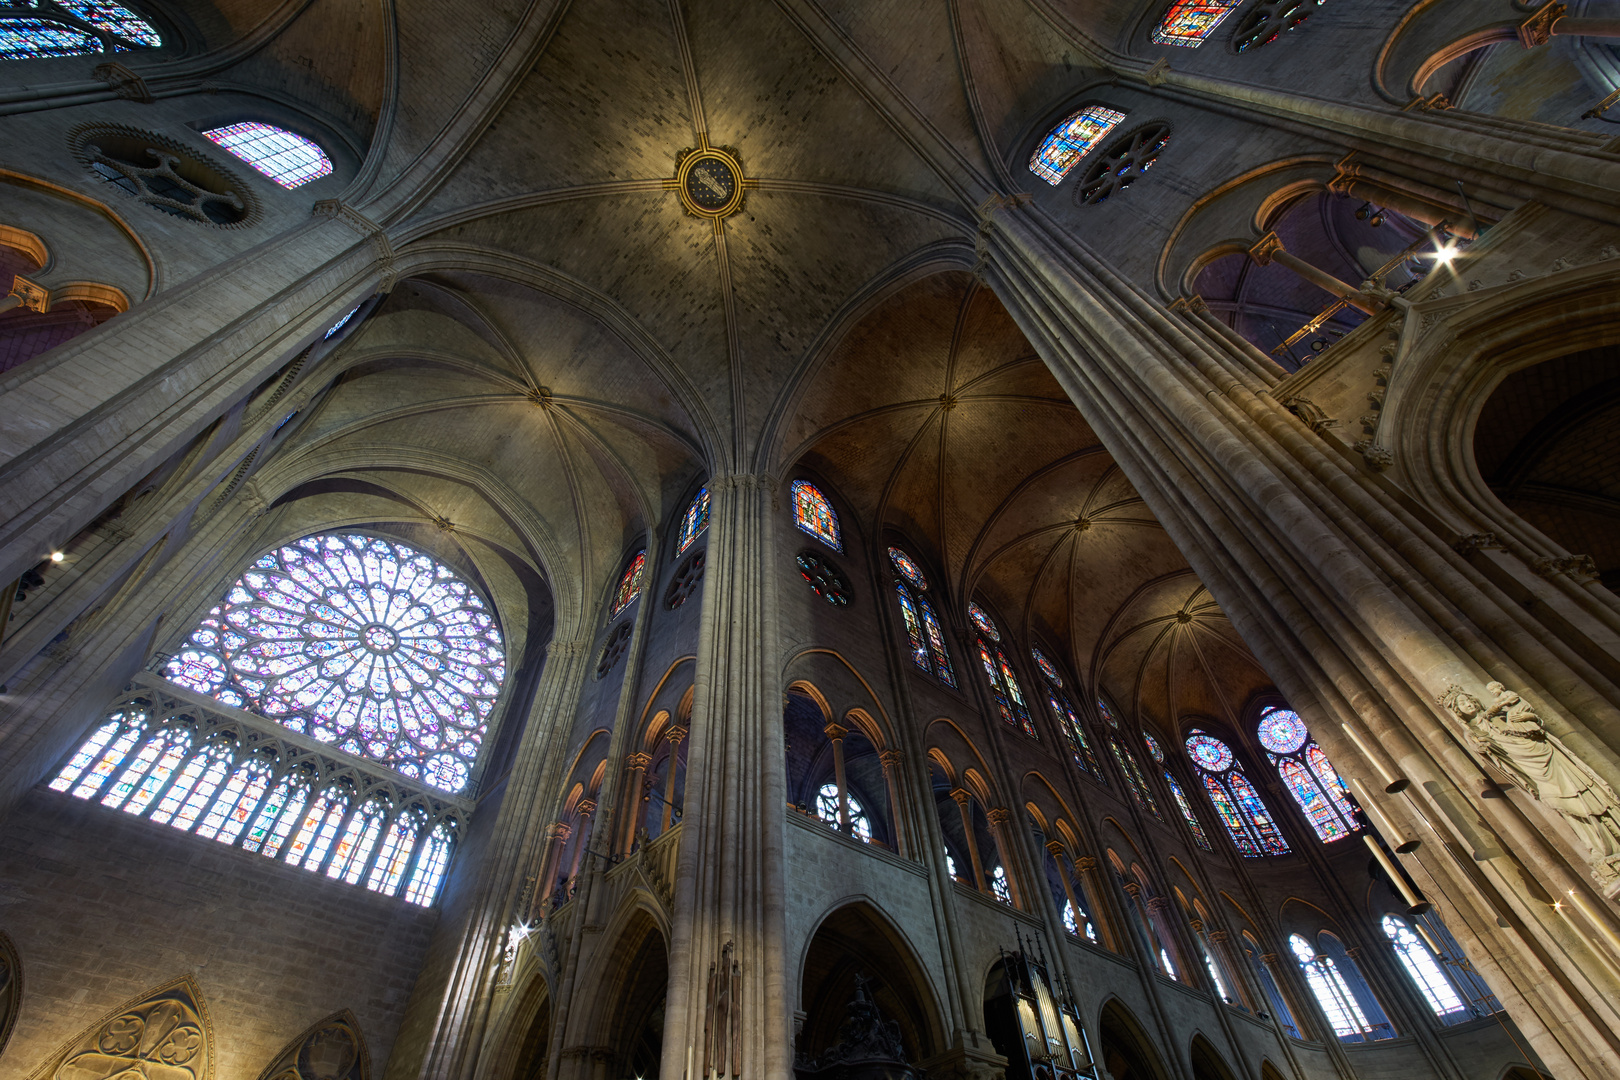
column 709, row 180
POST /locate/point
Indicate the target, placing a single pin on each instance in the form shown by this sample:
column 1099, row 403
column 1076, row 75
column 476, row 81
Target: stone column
column 1057, row 852
column 1086, row 867
column 586, row 808
column 890, row 760
column 1158, row 914
column 1000, row 819
column 964, row 803
column 1363, row 615
column 1550, row 21
column 836, row 733
column 635, row 772
column 730, row 881
column 674, row 735
column 1269, row 249
column 557, row 834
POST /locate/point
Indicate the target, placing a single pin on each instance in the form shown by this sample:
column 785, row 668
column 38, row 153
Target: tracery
column 1079, row 746
column 1308, row 775
column 1236, row 802
column 923, row 632
column 285, row 157
column 360, row 642
column 1424, row 971
column 40, row 29
column 1187, row 814
column 827, row 809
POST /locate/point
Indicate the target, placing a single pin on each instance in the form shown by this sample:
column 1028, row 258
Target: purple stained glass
column 1048, row 668
column 1331, row 783
column 1209, row 752
column 1311, row 801
column 983, row 622
column 1133, row 776
column 1015, row 694
column 1079, row 745
column 288, row 159
column 908, row 568
column 1107, row 714
column 40, row 39
column 1281, row 731
column 113, row 19
column 1227, row 811
column 360, row 642
column 1187, row 814
column 1002, row 704
column 1254, row 809
column 1188, row 22
column 1071, row 140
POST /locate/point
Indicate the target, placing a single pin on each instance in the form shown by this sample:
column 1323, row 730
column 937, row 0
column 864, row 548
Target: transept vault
column 978, row 540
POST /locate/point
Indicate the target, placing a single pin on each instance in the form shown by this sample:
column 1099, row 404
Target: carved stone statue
column 868, row 1046
column 1510, row 736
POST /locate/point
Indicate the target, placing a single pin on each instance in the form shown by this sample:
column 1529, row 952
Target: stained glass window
column 1331, row 991
column 914, row 630
column 986, row 626
column 340, row 324
column 936, row 643
column 1420, row 964
column 1308, row 775
column 1187, row 814
column 1107, row 714
column 1079, row 746
column 1236, row 802
column 1189, row 22
column 693, row 522
column 629, row 584
column 1071, row 140
column 1048, row 668
column 38, row 29
column 999, row 885
column 173, row 772
column 1004, row 688
column 824, row 578
column 360, row 642
column 1072, row 924
column 815, row 515
column 1455, row 963
column 827, row 810
column 1134, row 780
column 908, row 569
column 1155, row 751
column 290, row 160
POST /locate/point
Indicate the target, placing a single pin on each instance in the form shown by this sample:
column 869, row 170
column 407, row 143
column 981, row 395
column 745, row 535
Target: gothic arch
column 854, row 936
column 521, row 1047
column 168, row 1024
column 1207, row 1062
column 332, row 1048
column 625, row 1007
column 1127, row 1050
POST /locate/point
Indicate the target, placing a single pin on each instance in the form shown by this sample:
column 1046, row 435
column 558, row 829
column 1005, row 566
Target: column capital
column 586, row 807
column 999, row 815
column 890, row 759
column 1197, row 925
column 1056, row 848
column 1158, row 905
column 1132, row 889
column 1219, row 937
column 676, row 735
column 33, row 296
column 1085, row 864
column 835, row 731
column 637, row 760
column 962, row 796
column 1269, row 959
column 558, row 830
column 1264, row 248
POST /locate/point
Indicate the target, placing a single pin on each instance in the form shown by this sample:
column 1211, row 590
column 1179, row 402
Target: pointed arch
column 331, row 1048
column 168, row 1024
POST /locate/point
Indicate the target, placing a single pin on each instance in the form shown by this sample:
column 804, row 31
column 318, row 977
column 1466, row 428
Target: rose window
column 360, row 642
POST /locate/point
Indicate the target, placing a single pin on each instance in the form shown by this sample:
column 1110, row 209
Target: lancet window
column 1079, row 746
column 1236, row 801
column 38, row 29
column 341, row 323
column 629, row 584
column 360, row 642
column 999, row 887
column 1071, row 140
column 923, row 632
column 1425, row 971
column 1308, row 775
column 1005, row 689
column 1188, row 23
column 228, row 780
column 1187, row 815
column 1268, row 984
column 693, row 522
column 1135, row 779
column 289, row 159
column 1333, row 981
column 814, row 513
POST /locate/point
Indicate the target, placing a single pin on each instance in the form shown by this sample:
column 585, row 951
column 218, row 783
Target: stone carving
column 1307, row 410
column 125, row 83
column 1378, row 458
column 722, row 1022
column 868, row 1046
column 1473, row 542
column 29, row 295
column 164, row 1035
column 1579, row 567
column 1511, row 737
column 331, row 1049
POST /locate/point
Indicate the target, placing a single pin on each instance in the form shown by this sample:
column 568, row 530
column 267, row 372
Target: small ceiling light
column 1362, row 211
column 57, row 556
column 1376, row 220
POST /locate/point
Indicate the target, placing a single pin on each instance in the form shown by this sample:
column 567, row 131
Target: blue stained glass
column 1188, row 22
column 1133, row 777
column 908, row 611
column 936, row 641
column 694, row 521
column 114, row 19
column 1308, row 775
column 1209, row 752
column 1071, row 140
column 1154, row 749
column 1311, row 800
column 813, row 513
column 340, row 324
column 1281, row 731
column 1048, row 668
column 1015, row 695
column 70, row 28
column 629, row 584
column 1079, row 745
column 1107, row 714
column 39, row 39
column 288, row 159
column 908, row 569
column 1227, row 811
column 986, row 626
column 1187, row 814
column 1002, row 704
column 1249, row 802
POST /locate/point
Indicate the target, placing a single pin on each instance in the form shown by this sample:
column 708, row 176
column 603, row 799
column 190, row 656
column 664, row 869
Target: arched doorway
column 1127, row 1052
column 627, row 1010
column 855, row 953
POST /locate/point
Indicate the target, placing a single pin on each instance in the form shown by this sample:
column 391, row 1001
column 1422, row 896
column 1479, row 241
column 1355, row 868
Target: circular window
column 983, row 622
column 1282, row 731
column 166, row 176
column 1267, row 21
column 908, row 569
column 1209, row 752
column 1154, row 749
column 360, row 642
column 1123, row 162
column 824, row 579
column 685, row 581
column 613, row 649
column 1048, row 668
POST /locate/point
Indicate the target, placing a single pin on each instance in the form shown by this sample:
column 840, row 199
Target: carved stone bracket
column 1378, row 458
column 1537, row 29
column 30, row 295
column 1480, row 541
column 127, row 84
column 1579, row 567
